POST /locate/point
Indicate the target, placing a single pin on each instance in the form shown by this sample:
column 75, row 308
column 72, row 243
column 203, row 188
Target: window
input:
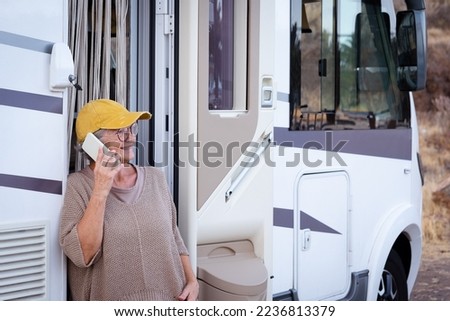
column 315, row 50
column 227, row 55
column 368, row 83
column 348, row 68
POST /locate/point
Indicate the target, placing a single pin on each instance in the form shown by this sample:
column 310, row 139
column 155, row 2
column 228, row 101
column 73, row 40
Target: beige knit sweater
column 140, row 255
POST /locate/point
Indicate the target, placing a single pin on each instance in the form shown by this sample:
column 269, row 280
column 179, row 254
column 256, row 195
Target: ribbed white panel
column 23, row 263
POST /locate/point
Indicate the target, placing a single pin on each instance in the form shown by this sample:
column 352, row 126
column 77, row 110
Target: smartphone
column 91, row 145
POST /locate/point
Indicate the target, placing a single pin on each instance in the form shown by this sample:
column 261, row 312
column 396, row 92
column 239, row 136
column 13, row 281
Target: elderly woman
column 118, row 223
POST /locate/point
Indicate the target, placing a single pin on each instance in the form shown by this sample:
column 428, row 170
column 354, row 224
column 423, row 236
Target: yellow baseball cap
column 105, row 114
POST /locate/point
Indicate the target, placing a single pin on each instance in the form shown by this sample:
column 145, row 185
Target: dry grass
column 433, row 106
column 435, row 153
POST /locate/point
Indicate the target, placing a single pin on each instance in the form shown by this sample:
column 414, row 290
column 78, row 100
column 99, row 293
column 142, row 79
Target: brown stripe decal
column 31, row 184
column 30, row 101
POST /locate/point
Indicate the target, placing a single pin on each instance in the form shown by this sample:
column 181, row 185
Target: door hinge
column 169, row 24
column 161, row 6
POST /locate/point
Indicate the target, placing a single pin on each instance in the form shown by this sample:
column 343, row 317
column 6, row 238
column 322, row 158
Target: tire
column 393, row 285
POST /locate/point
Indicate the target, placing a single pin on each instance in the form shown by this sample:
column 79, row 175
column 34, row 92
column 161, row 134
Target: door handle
column 306, row 240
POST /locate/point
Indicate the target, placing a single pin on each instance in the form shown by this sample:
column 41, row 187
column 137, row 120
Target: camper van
column 286, row 130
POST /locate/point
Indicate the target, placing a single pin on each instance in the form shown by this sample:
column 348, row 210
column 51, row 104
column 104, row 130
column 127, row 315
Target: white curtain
column 98, row 40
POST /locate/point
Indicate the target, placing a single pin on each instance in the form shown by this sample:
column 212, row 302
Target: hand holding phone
column 91, row 145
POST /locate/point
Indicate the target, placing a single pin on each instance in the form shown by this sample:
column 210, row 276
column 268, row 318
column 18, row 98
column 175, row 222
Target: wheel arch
column 403, row 248
column 402, row 232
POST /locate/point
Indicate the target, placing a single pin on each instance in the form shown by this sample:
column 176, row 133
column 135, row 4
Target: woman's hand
column 106, row 168
column 190, row 291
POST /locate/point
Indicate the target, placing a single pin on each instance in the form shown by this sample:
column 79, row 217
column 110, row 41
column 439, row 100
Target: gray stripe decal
column 31, row 184
column 284, row 97
column 285, row 218
column 309, row 222
column 31, row 101
column 24, row 42
column 389, row 143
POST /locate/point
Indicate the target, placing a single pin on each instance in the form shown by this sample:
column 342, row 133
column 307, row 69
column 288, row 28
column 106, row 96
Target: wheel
column 393, row 286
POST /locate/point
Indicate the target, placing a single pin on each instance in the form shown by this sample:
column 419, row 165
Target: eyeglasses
column 124, row 133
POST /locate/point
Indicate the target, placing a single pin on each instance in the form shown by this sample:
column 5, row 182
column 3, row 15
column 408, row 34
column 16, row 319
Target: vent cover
column 23, row 263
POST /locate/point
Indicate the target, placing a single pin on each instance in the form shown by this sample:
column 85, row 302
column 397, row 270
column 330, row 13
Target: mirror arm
column 415, row 4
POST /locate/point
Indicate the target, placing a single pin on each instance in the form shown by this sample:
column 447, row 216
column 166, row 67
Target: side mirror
column 412, row 51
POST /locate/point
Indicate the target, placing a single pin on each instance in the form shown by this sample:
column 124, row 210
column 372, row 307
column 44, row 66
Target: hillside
column 433, row 105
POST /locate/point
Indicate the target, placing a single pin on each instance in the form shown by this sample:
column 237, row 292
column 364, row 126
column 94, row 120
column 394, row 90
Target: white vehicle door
column 322, row 242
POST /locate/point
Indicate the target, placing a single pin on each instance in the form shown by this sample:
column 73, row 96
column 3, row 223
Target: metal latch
column 306, row 243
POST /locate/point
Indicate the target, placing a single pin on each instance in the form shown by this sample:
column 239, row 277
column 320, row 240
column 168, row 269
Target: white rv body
column 336, row 219
column 266, row 211
column 33, row 164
